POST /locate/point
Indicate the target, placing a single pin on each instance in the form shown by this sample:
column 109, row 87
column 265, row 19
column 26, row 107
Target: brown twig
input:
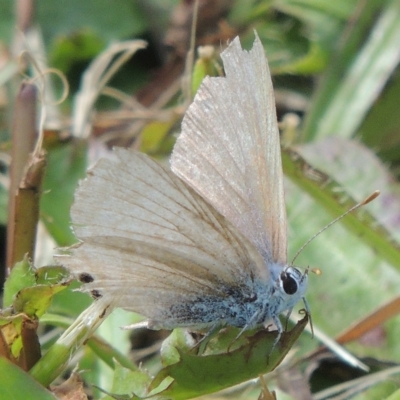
column 26, row 174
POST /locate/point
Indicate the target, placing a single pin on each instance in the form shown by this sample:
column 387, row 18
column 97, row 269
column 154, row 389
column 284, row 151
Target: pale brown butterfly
column 206, row 244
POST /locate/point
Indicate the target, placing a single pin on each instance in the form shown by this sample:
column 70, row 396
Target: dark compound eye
column 289, row 283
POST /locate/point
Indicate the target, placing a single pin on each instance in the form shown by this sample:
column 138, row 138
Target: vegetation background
column 335, row 69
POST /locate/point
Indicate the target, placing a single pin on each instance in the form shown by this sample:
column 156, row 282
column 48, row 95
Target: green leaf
column 329, row 193
column 21, row 276
column 379, row 130
column 359, row 261
column 205, row 65
column 195, row 375
column 34, row 301
column 64, row 18
column 66, row 164
column 81, row 47
column 23, row 292
column 128, row 381
column 51, row 274
column 17, row 384
column 395, row 395
column 153, row 134
column 353, row 84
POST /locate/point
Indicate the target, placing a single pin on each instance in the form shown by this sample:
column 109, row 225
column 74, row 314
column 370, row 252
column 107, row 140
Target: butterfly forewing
column 149, row 241
column 231, row 155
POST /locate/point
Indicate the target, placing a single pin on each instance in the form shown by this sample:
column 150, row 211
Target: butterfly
column 203, row 244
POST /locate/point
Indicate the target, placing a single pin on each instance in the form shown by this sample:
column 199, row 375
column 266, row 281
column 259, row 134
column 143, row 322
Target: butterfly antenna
column 367, row 200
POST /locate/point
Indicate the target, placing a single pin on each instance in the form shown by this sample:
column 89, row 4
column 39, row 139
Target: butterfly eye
column 289, row 283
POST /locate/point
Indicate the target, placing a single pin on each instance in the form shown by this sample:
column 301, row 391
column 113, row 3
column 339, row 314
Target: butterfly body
column 252, row 304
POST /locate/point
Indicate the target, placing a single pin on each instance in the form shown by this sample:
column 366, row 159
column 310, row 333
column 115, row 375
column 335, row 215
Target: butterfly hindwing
column 149, row 241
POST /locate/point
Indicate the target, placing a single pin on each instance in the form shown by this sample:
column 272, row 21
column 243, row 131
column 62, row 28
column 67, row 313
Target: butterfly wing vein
column 150, row 229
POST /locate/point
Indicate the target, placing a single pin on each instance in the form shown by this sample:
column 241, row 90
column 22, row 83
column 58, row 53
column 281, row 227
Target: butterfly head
column 294, row 281
column 292, row 284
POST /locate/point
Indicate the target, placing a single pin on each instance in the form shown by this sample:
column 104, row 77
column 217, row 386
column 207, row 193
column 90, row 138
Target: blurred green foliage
column 335, row 65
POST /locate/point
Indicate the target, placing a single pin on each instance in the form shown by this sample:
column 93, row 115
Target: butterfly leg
column 254, row 318
column 202, row 343
column 289, row 313
column 307, row 307
column 279, row 329
column 237, row 337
